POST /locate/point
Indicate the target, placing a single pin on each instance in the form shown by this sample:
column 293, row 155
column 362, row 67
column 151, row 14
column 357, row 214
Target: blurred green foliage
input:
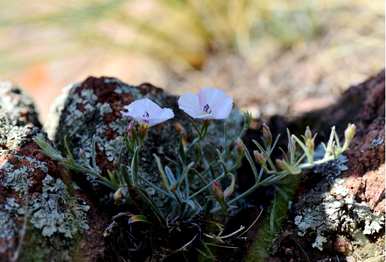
column 182, row 32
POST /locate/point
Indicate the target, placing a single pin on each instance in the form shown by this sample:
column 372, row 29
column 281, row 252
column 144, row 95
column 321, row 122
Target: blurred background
column 273, row 56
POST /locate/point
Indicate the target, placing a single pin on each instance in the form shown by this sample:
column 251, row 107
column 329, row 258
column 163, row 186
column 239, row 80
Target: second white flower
column 209, row 103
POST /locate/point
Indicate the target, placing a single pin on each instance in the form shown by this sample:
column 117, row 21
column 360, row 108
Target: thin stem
column 206, row 186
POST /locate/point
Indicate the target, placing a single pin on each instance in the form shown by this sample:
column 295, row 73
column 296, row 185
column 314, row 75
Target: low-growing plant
column 199, row 187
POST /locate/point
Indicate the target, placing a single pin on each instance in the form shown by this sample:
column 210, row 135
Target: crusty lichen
column 55, row 211
column 35, row 204
column 18, row 106
column 329, row 208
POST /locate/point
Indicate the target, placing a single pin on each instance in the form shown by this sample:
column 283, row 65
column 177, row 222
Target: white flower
column 209, row 103
column 147, row 112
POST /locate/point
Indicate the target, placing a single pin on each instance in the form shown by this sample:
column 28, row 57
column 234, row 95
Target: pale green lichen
column 319, row 242
column 7, row 230
column 18, row 107
column 52, row 211
column 36, row 205
column 11, row 135
column 324, row 210
column 56, row 212
column 17, row 179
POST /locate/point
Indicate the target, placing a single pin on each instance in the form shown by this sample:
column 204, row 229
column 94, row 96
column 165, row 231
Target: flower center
column 207, row 109
column 145, row 117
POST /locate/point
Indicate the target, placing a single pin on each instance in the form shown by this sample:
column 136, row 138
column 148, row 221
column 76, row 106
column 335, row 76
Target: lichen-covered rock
column 340, row 211
column 40, row 219
column 89, row 117
column 17, row 106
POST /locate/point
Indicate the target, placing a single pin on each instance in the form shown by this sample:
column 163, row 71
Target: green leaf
column 138, row 218
column 47, row 149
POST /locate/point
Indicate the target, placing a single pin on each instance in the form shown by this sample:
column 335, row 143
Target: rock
column 89, row 113
column 369, row 188
column 346, row 205
column 40, row 218
column 17, row 106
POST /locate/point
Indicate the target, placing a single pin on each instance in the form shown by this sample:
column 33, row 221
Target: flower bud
column 310, row 144
column 130, row 128
column 180, row 129
column 217, row 190
column 118, row 196
column 182, row 132
column 142, row 130
column 309, row 140
column 259, row 157
column 281, row 164
column 308, row 133
column 267, row 135
column 349, row 134
column 239, row 145
column 231, row 188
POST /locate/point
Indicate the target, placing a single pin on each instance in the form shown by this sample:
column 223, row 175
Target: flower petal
column 150, row 106
column 190, row 104
column 163, row 115
column 219, row 104
column 209, row 96
column 223, row 108
column 146, row 111
column 135, row 109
